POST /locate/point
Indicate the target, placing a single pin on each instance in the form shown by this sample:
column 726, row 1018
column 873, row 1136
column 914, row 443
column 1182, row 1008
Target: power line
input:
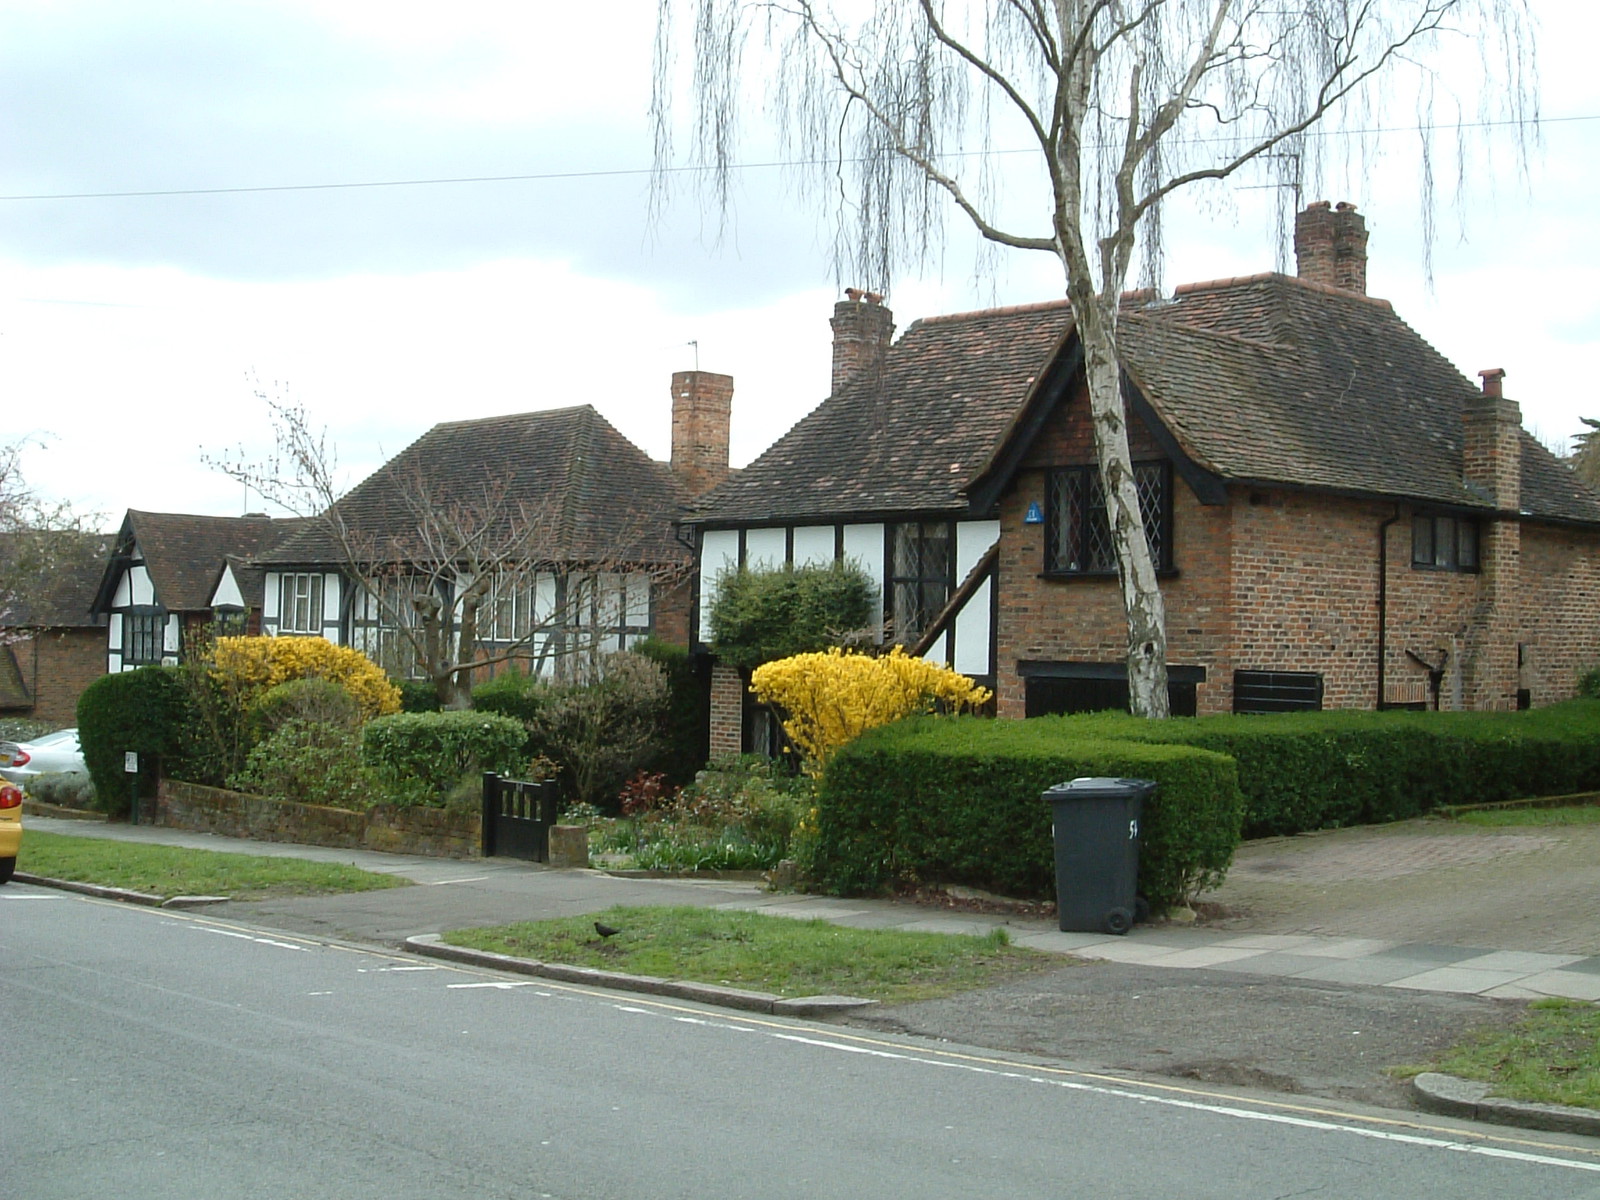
column 643, row 171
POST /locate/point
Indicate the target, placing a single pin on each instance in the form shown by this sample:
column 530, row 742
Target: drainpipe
column 1383, row 596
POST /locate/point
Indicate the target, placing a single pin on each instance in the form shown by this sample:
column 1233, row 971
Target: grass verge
column 1551, row 1056
column 770, row 954
column 175, row 871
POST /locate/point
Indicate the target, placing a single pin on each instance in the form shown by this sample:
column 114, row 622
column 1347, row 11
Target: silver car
column 49, row 754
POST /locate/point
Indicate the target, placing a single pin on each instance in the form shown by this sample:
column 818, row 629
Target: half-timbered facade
column 171, row 577
column 551, row 528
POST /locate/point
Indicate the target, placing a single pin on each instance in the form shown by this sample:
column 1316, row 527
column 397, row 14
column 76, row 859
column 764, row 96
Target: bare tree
column 40, row 540
column 455, row 571
column 1119, row 104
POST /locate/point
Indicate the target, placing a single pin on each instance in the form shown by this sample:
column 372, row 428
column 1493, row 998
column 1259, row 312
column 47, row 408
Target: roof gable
column 184, row 552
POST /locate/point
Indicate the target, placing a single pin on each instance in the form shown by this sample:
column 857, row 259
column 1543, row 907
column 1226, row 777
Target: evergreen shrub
column 1322, row 770
column 511, row 694
column 144, row 711
column 417, row 695
column 685, row 724
column 426, row 754
column 959, row 801
column 767, row 613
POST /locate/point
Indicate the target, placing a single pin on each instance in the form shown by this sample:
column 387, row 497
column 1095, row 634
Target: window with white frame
column 301, row 603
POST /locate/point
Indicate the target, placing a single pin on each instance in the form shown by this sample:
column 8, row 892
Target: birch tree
column 897, row 109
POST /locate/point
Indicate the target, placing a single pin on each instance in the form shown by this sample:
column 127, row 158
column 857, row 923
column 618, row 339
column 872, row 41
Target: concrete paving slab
column 1517, row 960
column 1585, row 966
column 1224, row 957
column 1456, row 979
column 1272, row 941
column 944, row 925
column 1368, row 971
column 1439, row 956
column 1062, row 943
column 1569, row 985
column 1346, row 947
column 1129, row 952
column 1281, row 963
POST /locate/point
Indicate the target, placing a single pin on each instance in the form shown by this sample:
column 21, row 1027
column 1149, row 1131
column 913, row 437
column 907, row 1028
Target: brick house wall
column 727, row 710
column 1280, row 580
column 58, row 665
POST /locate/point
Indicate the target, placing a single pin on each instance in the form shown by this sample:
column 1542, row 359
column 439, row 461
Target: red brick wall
column 1560, row 592
column 670, row 618
column 1281, row 580
column 727, row 711
column 57, row 667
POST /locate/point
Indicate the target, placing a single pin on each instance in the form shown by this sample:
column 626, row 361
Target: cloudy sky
column 135, row 330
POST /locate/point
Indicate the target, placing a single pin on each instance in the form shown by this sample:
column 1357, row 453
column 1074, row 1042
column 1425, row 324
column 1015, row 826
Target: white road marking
column 31, row 896
column 387, row 970
column 245, row 937
column 1225, row 1110
column 498, row 984
column 468, row 879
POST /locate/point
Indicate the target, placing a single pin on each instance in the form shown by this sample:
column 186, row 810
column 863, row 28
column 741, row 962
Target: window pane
column 1467, row 545
column 1422, row 540
column 1444, row 542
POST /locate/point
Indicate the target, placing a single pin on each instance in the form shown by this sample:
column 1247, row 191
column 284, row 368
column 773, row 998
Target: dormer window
column 1444, row 543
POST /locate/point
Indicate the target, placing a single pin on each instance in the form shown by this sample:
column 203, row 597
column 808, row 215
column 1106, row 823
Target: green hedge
column 145, row 711
column 511, row 694
column 437, row 749
column 959, row 801
column 686, row 724
column 1303, row 771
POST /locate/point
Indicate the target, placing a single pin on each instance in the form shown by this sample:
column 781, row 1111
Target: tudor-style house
column 563, row 523
column 1339, row 518
column 172, row 577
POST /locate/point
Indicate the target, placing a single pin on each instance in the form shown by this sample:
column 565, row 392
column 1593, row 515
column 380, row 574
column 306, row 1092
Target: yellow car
column 10, row 829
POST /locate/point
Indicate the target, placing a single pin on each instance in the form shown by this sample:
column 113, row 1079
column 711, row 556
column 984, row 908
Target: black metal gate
column 517, row 815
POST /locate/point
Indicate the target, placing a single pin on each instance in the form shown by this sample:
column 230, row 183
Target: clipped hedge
column 511, row 694
column 959, row 801
column 1303, row 771
column 144, row 711
column 436, row 749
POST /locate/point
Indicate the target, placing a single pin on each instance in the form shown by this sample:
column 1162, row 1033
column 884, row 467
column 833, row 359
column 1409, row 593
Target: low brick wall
column 438, row 832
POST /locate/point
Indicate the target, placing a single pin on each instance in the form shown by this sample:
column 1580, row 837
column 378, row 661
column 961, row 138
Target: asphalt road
column 159, row 1054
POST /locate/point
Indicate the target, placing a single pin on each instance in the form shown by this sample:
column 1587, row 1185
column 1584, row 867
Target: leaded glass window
column 1077, row 532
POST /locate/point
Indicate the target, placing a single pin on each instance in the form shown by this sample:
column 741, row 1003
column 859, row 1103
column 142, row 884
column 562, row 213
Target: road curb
column 430, row 945
column 1451, row 1096
column 92, row 889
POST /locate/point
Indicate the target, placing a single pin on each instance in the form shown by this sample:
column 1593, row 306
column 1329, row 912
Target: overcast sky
column 131, row 327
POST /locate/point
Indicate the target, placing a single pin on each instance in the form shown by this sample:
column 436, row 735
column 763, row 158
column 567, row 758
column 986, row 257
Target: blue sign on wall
column 1035, row 515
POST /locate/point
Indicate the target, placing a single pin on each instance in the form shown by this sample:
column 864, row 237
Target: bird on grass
column 605, row 930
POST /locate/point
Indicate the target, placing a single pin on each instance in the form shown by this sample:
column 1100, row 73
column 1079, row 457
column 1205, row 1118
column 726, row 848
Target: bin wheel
column 1118, row 921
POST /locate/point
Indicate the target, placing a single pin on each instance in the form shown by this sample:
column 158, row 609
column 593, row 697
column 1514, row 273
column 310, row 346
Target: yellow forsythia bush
column 832, row 697
column 251, row 665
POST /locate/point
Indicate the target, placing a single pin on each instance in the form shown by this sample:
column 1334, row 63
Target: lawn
column 770, row 954
column 1551, row 1056
column 175, row 871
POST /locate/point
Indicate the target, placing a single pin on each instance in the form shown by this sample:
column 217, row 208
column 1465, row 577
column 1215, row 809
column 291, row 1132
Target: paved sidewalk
column 1452, row 900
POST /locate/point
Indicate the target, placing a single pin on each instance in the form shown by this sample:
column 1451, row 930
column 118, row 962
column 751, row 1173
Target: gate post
column 491, row 810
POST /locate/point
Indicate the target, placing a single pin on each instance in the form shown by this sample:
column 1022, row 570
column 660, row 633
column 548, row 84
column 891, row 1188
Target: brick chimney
column 1491, row 444
column 1330, row 246
column 701, row 403
column 862, row 331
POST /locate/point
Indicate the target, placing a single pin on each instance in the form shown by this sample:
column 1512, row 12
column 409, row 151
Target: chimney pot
column 1491, row 380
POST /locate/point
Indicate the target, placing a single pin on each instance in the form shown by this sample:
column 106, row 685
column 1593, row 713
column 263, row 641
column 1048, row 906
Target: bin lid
column 1097, row 787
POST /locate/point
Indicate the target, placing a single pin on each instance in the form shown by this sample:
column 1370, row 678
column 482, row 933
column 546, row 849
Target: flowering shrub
column 251, row 665
column 831, row 698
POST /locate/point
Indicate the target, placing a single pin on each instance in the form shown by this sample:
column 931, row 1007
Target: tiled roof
column 949, row 387
column 64, row 597
column 589, row 494
column 1264, row 378
column 1274, row 379
column 184, row 553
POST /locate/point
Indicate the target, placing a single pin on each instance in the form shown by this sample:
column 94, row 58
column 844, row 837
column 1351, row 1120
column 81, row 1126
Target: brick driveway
column 1424, row 881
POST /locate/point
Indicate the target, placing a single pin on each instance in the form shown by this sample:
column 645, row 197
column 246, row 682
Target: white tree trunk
column 1136, row 572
